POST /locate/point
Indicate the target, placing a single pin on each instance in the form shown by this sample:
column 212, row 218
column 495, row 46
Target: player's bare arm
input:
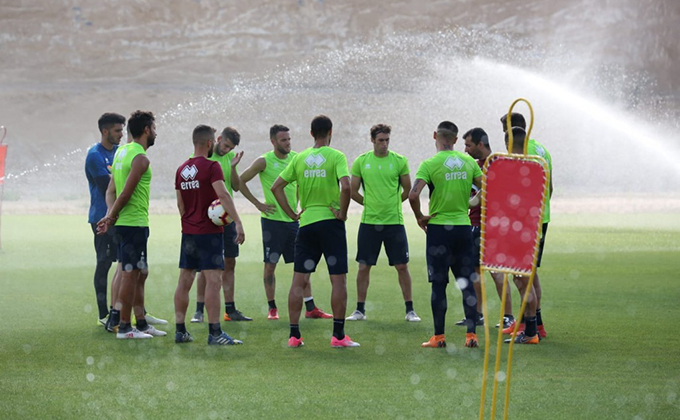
column 345, row 193
column 280, row 195
column 405, row 181
column 228, row 205
column 110, row 197
column 180, row 203
column 255, row 168
column 355, row 185
column 414, row 200
column 235, row 180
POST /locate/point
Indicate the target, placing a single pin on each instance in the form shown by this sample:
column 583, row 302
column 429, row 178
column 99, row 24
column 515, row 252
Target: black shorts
column 132, row 248
column 326, row 237
column 371, row 238
column 449, row 248
column 202, row 252
column 105, row 245
column 278, row 238
column 230, row 247
column 541, row 244
column 476, row 241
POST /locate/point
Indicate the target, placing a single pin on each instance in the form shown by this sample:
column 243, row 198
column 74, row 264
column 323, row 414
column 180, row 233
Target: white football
column 217, row 214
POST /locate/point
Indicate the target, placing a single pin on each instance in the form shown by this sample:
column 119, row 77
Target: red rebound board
column 514, row 192
column 3, row 155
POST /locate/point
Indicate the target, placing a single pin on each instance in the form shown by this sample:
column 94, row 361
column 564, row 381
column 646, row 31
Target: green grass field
column 611, row 294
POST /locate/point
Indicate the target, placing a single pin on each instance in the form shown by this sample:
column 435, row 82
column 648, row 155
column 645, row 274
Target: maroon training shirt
column 194, row 180
column 476, row 212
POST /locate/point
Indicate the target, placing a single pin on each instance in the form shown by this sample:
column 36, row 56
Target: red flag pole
column 3, row 155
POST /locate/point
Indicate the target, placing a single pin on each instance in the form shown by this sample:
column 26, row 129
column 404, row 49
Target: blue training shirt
column 98, row 164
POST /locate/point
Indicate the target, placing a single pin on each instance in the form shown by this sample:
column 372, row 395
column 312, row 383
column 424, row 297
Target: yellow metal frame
column 507, row 270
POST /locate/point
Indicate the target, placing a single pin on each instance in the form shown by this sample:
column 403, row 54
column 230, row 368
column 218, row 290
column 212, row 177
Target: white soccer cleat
column 133, row 333
column 411, row 316
column 356, row 316
column 155, row 321
column 154, row 332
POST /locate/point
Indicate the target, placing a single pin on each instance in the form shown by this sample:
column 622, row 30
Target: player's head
column 380, row 137
column 111, row 127
column 280, row 138
column 227, row 141
column 477, row 143
column 447, row 133
column 204, row 138
column 143, row 123
column 516, row 120
column 518, row 138
column 322, row 127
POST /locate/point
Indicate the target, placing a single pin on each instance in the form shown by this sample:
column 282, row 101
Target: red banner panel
column 515, row 189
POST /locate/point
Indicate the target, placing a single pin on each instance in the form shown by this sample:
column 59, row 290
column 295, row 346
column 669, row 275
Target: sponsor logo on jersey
column 454, row 163
column 315, row 161
column 189, row 173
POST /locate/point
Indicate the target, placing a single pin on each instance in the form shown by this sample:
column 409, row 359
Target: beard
column 150, row 141
column 210, row 152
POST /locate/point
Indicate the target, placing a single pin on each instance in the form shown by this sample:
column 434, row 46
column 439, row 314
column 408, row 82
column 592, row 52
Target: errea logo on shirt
column 315, row 161
column 453, row 164
column 189, row 173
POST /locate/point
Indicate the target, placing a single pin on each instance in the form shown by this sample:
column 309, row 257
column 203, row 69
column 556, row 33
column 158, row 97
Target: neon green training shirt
column 381, row 187
column 136, row 211
column 225, row 162
column 449, row 175
column 537, row 149
column 274, row 167
column 317, row 172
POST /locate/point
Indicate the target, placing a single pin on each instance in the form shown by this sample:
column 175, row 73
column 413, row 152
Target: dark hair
column 516, row 120
column 518, row 137
column 202, row 133
column 110, row 119
column 448, row 129
column 275, row 129
column 477, row 135
column 321, row 126
column 231, row 134
column 380, row 128
column 138, row 121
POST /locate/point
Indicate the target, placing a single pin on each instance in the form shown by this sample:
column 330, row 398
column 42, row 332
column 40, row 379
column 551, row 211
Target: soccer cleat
column 317, row 313
column 471, row 340
column 155, row 321
column 183, row 337
column 508, row 331
column 435, row 341
column 273, row 314
column 295, row 342
column 506, row 322
column 345, row 342
column 356, row 316
column 524, row 339
column 153, row 331
column 411, row 316
column 462, row 322
column 198, row 317
column 222, row 340
column 133, row 333
column 541, row 331
column 110, row 327
column 103, row 321
column 236, row 316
